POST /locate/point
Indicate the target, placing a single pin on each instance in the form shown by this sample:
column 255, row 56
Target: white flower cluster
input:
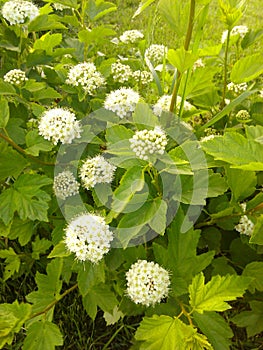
column 243, row 115
column 86, row 76
column 245, row 226
column 145, row 143
column 237, row 88
column 15, row 77
column 96, row 170
column 19, row 11
column 121, row 72
column 65, row 185
column 131, row 36
column 147, row 283
column 59, row 124
column 142, row 76
column 163, row 104
column 237, row 30
column 155, row 54
column 122, row 101
column 60, row 7
column 89, row 237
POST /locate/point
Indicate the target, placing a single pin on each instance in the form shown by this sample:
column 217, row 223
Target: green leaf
column 254, row 270
column 181, row 59
column 11, row 162
column 257, row 234
column 99, row 295
column 43, row 335
column 118, row 133
column 180, row 257
column 235, row 149
column 96, row 9
column 25, row 197
column 241, row 182
column 175, row 13
column 166, row 333
column 6, row 88
column 247, row 68
column 221, row 267
column 228, row 108
column 12, row 317
column 112, row 318
column 40, row 246
column 142, row 6
column 131, row 182
column 49, row 286
column 144, row 116
column 4, row 108
column 158, row 222
column 35, row 143
column 89, row 275
column 47, row 42
column 12, row 262
column 211, row 238
column 213, row 295
column 95, row 36
column 215, row 328
column 48, row 92
column 252, row 320
column 45, row 22
column 59, row 251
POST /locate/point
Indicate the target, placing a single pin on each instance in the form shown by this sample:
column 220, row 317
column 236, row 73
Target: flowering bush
column 130, row 176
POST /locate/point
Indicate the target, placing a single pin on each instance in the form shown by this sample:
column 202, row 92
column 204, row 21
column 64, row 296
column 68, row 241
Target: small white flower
column 142, row 76
column 245, row 226
column 86, row 76
column 59, row 7
column 96, row 170
column 131, row 36
column 121, row 72
column 15, row 77
column 89, row 237
column 237, row 88
column 147, row 283
column 155, row 54
column 163, row 104
column 198, row 64
column 65, row 185
column 146, row 143
column 59, row 124
column 261, row 93
column 122, row 101
column 19, row 11
column 237, row 30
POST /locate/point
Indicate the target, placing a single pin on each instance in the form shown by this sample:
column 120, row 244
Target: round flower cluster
column 155, row 54
column 237, row 88
column 243, row 116
column 15, row 77
column 65, row 185
column 142, row 76
column 59, row 7
column 86, row 76
column 122, row 101
column 131, row 36
column 145, row 143
column 59, row 124
column 163, row 104
column 89, row 237
column 19, row 11
column 147, row 283
column 210, row 134
column 245, row 226
column 121, row 72
column 96, row 170
column 237, row 30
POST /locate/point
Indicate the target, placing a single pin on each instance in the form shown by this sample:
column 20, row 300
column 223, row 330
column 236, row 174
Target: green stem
column 225, row 70
column 186, row 47
column 54, row 302
column 111, row 339
column 21, row 150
